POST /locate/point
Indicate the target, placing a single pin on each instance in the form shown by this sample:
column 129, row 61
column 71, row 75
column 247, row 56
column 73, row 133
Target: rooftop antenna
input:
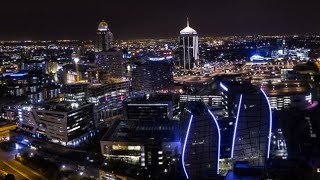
column 187, row 21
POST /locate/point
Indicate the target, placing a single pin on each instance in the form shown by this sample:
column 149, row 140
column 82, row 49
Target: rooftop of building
column 150, row 98
column 103, row 26
column 143, row 131
column 24, row 74
column 188, row 29
column 63, row 106
column 81, row 67
column 100, row 85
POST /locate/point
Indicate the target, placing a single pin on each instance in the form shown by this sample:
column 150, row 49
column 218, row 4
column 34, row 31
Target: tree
column 9, row 177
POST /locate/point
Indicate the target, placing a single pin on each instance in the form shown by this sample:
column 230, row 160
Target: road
column 8, row 165
column 5, row 169
column 202, row 75
column 19, row 170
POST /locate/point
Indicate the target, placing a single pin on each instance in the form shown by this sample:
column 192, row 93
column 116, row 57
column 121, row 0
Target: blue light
column 236, row 125
column 17, row 146
column 157, row 58
column 257, row 57
column 223, row 87
column 219, row 141
column 270, row 121
column 184, row 147
column 18, row 75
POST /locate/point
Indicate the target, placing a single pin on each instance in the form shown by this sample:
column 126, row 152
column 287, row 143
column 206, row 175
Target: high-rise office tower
column 155, row 107
column 109, row 60
column 75, row 92
column 200, row 134
column 253, row 122
column 189, row 47
column 104, row 39
column 111, row 65
column 153, row 75
column 107, row 98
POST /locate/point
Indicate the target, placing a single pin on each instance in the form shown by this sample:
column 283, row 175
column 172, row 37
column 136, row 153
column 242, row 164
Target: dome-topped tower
column 103, row 26
column 104, row 39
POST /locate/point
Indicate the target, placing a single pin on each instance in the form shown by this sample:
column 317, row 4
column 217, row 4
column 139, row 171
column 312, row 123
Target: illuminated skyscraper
column 189, row 47
column 201, row 139
column 104, row 39
column 111, row 62
column 153, row 75
column 253, row 122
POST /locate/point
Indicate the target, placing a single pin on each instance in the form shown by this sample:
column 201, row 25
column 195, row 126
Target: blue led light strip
column 219, row 141
column 236, row 125
column 270, row 123
column 223, row 87
column 184, row 147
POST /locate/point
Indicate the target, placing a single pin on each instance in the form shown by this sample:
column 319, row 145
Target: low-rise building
column 62, row 123
column 143, row 143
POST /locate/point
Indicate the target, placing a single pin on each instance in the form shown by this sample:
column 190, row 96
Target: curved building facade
column 200, row 141
column 252, row 127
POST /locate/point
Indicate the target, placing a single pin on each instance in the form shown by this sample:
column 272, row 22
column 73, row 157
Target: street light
column 76, row 60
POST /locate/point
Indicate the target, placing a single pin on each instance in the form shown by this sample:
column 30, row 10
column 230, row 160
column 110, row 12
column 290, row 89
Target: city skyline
column 140, row 19
column 159, row 90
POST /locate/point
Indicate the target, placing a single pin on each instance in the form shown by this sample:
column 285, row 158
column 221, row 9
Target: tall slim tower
column 189, row 47
column 104, row 39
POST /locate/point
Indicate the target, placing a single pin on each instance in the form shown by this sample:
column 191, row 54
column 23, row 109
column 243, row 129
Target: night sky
column 78, row 19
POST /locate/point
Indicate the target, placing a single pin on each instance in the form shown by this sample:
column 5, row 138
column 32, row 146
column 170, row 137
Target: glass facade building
column 201, row 140
column 153, row 76
column 252, row 114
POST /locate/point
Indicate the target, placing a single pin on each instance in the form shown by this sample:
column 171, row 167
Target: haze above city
column 34, row 19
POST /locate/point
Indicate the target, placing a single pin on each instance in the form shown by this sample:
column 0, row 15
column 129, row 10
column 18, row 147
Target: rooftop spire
column 187, row 21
